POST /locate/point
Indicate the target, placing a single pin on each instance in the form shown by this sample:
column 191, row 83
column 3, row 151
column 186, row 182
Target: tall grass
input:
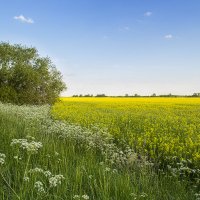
column 62, row 161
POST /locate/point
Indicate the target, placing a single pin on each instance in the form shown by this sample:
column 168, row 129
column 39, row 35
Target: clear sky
column 112, row 46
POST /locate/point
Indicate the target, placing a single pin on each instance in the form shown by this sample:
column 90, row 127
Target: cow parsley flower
column 39, row 187
column 36, row 170
column 85, row 196
column 76, row 196
column 2, row 158
column 107, row 169
column 16, row 157
column 31, row 147
column 143, row 195
column 47, row 173
column 56, row 180
column 56, row 153
column 26, row 179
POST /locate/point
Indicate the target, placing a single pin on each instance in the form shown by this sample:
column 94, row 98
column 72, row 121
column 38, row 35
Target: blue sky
column 112, row 46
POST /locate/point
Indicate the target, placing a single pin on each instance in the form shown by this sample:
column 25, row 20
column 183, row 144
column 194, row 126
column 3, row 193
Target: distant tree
column 196, row 95
column 126, row 95
column 88, row 95
column 27, row 78
column 100, row 95
column 153, row 95
column 136, row 95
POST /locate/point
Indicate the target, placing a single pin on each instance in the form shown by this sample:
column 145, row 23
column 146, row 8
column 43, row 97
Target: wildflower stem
column 25, row 172
column 9, row 186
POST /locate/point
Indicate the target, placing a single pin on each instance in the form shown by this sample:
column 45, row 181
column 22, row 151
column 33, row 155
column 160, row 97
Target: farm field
column 166, row 130
column 42, row 158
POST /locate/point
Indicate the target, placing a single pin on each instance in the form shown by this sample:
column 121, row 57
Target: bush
column 27, row 78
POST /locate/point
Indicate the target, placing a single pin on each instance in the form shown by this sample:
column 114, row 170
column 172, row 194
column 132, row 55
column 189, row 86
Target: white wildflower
column 56, row 180
column 16, row 157
column 143, row 195
column 47, row 174
column 133, row 195
column 39, row 186
column 31, row 147
column 36, row 170
column 107, row 169
column 26, row 179
column 18, row 141
column 2, row 158
column 85, row 196
column 56, row 153
column 101, row 163
column 76, row 196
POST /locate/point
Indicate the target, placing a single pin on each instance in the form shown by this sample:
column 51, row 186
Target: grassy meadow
column 101, row 149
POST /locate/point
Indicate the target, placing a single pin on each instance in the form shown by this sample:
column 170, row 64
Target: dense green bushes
column 27, row 78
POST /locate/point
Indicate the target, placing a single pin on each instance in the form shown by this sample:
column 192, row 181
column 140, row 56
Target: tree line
column 137, row 95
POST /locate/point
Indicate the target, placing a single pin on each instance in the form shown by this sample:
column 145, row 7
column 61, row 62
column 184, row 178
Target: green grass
column 87, row 171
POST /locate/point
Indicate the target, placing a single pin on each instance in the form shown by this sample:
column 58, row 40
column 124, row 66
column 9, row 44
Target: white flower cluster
column 17, row 158
column 36, row 170
column 26, row 179
column 31, row 114
column 39, row 187
column 2, row 158
column 183, row 168
column 39, row 170
column 197, row 195
column 31, row 147
column 47, row 173
column 56, row 180
column 95, row 138
column 79, row 197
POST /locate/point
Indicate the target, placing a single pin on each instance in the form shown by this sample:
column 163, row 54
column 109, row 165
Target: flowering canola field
column 166, row 130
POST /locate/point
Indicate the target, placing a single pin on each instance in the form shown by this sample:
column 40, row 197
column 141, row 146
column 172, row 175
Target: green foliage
column 27, row 78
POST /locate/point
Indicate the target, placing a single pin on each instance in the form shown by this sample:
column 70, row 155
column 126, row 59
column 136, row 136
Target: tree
column 27, row 78
column 196, row 95
column 100, row 95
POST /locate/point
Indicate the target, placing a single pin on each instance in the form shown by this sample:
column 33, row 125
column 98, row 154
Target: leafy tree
column 100, row 95
column 27, row 78
column 196, row 95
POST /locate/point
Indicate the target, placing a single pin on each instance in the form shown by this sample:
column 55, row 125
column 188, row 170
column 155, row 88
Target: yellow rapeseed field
column 164, row 129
